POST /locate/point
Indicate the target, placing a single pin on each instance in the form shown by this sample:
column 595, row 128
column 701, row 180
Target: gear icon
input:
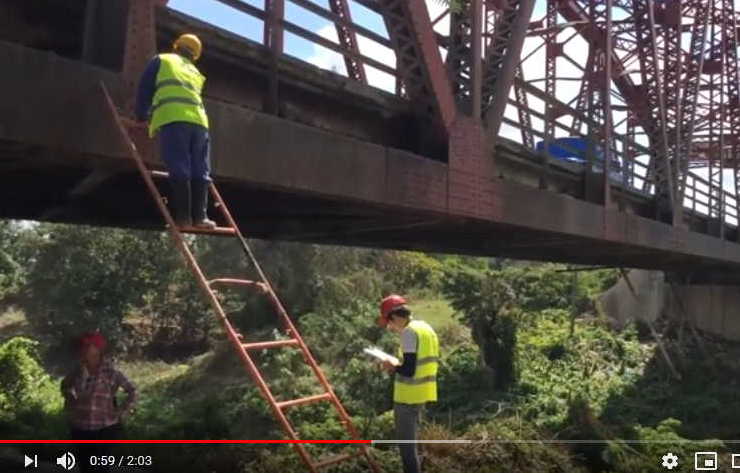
column 670, row 461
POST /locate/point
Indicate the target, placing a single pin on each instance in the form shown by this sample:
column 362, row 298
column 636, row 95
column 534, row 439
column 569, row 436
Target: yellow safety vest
column 422, row 387
column 178, row 94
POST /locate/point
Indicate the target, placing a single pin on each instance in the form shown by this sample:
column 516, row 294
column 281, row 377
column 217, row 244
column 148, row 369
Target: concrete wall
column 713, row 309
column 646, row 303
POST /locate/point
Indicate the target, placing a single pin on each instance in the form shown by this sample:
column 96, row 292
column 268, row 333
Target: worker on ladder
column 169, row 97
column 416, row 377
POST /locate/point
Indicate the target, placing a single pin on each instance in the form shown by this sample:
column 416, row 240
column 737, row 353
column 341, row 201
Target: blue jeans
column 185, row 149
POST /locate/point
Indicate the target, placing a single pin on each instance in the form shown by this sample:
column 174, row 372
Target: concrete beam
column 318, row 170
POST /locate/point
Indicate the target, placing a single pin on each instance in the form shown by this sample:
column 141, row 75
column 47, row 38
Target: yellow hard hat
column 189, row 42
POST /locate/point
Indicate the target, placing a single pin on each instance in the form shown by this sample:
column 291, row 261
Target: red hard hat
column 95, row 339
column 388, row 305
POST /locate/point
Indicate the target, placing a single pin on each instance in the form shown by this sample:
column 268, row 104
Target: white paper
column 381, row 355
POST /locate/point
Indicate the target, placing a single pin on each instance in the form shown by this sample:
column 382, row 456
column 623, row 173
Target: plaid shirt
column 91, row 397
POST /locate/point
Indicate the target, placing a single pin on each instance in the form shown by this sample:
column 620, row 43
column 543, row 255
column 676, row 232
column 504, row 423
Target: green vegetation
column 30, row 403
column 437, row 312
column 524, row 355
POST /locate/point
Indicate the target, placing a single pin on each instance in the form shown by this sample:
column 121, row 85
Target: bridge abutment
column 647, row 295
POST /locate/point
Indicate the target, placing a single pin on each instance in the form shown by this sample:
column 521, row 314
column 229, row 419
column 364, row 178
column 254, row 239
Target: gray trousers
column 407, row 417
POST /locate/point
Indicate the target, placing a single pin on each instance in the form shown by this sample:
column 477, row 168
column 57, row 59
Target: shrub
column 556, row 366
column 653, row 443
column 452, row 335
column 495, row 448
column 460, row 375
column 30, row 401
column 341, row 332
column 407, row 270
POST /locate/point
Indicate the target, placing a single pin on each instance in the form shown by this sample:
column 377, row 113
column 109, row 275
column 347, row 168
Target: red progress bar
column 183, row 441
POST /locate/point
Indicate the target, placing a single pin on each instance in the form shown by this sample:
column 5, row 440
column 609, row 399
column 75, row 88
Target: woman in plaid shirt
column 90, row 398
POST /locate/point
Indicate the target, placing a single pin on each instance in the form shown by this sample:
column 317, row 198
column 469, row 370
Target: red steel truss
column 652, row 85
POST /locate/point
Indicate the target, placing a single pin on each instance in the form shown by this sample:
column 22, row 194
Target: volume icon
column 67, row 461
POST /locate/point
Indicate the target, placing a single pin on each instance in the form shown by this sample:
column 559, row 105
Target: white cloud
column 326, row 58
column 436, row 9
column 330, row 60
column 383, row 55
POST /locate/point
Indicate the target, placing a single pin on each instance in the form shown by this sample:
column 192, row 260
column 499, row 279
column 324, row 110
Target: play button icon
column 28, row 461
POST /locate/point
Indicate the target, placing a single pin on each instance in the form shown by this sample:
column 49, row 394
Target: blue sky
column 228, row 18
column 245, row 25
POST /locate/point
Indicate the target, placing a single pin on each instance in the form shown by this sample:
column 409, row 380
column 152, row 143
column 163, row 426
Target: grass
column 437, row 312
column 146, row 374
column 13, row 323
column 440, row 315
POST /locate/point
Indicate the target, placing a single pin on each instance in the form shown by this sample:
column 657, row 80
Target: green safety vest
column 177, row 97
column 422, row 387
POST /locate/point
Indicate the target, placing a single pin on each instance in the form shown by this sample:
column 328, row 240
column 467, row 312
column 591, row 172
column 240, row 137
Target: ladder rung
column 274, row 344
column 237, row 282
column 148, row 175
column 209, row 231
column 336, row 459
column 304, row 400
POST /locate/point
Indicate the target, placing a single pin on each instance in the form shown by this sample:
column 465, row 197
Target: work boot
column 180, row 202
column 200, row 205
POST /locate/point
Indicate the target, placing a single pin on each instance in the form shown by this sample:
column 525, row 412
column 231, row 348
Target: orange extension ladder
column 264, row 286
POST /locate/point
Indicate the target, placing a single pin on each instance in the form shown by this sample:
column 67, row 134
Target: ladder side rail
column 203, row 283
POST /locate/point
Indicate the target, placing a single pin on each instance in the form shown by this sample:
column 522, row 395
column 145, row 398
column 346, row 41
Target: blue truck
column 574, row 149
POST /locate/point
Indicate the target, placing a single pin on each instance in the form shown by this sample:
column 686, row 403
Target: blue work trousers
column 185, row 149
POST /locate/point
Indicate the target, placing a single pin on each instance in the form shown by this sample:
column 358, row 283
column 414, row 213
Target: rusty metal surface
column 420, row 67
column 140, row 44
column 502, row 61
column 332, row 184
column 333, row 160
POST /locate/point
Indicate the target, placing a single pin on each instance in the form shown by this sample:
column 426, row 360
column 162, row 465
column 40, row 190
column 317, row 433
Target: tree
column 86, row 278
column 454, row 5
column 11, row 271
column 486, row 303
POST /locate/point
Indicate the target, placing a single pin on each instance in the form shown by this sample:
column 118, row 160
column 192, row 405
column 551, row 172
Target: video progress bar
column 548, row 441
column 359, row 441
column 191, row 442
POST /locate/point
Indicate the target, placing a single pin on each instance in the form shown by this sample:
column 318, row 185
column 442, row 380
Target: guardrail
column 701, row 197
column 279, row 26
